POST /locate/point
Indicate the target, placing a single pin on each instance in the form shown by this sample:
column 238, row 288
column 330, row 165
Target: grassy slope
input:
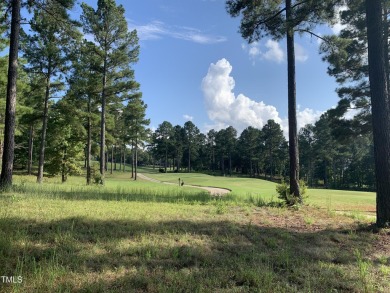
column 72, row 238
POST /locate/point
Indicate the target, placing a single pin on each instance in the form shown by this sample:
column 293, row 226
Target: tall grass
column 118, row 193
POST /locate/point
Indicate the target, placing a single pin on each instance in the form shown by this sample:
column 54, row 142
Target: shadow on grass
column 88, row 255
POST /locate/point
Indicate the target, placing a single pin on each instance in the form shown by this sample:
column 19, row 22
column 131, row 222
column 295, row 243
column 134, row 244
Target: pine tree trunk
column 89, row 143
column 124, row 158
column 112, row 158
column 189, row 159
column 103, row 121
column 63, row 168
column 136, row 159
column 44, row 127
column 292, row 108
column 9, row 126
column 132, row 160
column 30, row 149
column 380, row 110
column 115, row 157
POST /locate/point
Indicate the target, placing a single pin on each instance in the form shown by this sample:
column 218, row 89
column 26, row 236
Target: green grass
column 131, row 236
column 244, row 188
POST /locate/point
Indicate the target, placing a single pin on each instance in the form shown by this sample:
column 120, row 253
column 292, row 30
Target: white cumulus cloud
column 224, row 108
column 188, row 117
column 272, row 51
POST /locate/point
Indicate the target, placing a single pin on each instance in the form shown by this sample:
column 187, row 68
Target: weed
column 363, row 269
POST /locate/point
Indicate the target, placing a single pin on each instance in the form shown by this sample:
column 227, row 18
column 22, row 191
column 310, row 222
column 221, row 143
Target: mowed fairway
column 337, row 200
column 149, row 237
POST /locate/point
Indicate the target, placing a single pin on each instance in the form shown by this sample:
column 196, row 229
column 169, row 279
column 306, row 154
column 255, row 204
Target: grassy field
column 148, row 237
column 338, row 200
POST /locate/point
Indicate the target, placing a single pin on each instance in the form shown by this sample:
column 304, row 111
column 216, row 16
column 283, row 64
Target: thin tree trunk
column 115, row 157
column 103, row 121
column 136, row 159
column 89, row 144
column 112, row 158
column 189, row 159
column 124, row 158
column 9, row 126
column 63, row 167
column 380, row 110
column 44, row 127
column 132, row 159
column 30, row 149
column 292, row 107
column 120, row 159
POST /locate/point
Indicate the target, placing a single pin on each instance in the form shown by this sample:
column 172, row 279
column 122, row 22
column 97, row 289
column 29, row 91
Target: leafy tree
column 191, row 136
column 262, row 18
column 47, row 50
column 136, row 123
column 163, row 142
column 306, row 159
column 211, row 135
column 83, row 93
column 116, row 49
column 65, row 141
column 273, row 140
column 249, row 148
column 178, row 145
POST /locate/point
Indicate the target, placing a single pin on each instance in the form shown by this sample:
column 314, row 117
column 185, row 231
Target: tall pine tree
column 117, row 49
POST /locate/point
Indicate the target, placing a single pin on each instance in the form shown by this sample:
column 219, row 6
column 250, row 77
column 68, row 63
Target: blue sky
column 194, row 65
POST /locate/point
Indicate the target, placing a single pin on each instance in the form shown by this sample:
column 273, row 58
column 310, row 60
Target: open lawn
column 149, row 237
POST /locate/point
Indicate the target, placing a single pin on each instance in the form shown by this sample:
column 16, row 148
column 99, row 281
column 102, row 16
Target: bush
column 161, row 170
column 283, row 189
column 95, row 173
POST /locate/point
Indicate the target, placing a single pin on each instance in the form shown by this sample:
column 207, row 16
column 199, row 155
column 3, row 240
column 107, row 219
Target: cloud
column 224, row 108
column 300, row 53
column 188, row 117
column 274, row 52
column 271, row 51
column 158, row 29
column 337, row 27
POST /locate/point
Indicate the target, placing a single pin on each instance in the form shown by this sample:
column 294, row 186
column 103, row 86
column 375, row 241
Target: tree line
column 77, row 94
column 327, row 158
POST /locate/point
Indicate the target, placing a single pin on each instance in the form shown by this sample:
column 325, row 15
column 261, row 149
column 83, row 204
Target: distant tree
column 380, row 108
column 178, row 144
column 162, row 140
column 136, row 125
column 117, row 49
column 211, row 135
column 307, row 158
column 191, row 133
column 248, row 143
column 273, row 140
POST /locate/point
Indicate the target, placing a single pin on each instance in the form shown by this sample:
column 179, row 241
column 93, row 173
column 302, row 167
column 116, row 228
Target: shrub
column 95, row 173
column 283, row 189
column 161, row 170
